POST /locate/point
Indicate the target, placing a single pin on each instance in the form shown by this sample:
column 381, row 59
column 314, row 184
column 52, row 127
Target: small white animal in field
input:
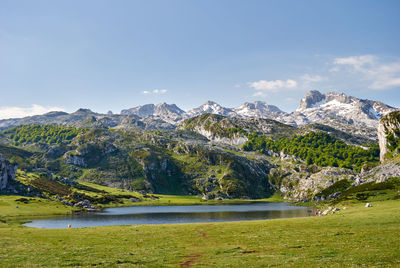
column 69, row 226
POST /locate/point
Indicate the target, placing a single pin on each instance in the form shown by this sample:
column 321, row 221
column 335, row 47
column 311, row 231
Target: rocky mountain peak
column 311, row 99
column 340, row 97
column 336, row 109
column 55, row 113
column 170, row 108
column 258, row 109
column 83, row 111
column 211, row 108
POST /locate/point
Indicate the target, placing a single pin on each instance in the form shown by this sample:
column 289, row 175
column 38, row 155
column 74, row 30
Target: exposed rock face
column 311, row 99
column 389, row 126
column 7, row 172
column 304, row 182
column 381, row 173
column 230, row 130
column 235, row 139
column 76, row 160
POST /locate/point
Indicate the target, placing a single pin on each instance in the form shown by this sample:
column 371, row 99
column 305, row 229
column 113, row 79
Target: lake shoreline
column 184, row 214
column 38, row 207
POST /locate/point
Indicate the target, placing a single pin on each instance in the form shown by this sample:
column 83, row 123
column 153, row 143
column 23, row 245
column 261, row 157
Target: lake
column 174, row 214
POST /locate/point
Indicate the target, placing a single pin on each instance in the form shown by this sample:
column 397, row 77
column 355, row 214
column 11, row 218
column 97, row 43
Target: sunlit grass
column 356, row 236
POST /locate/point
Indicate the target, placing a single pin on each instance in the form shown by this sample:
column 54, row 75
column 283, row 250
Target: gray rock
column 7, row 173
column 389, row 124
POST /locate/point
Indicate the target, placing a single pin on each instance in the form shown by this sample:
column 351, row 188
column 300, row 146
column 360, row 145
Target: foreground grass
column 355, row 236
column 15, row 206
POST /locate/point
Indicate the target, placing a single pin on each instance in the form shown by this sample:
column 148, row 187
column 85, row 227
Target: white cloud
column 386, row 83
column 159, row 91
column 356, row 61
column 379, row 75
column 259, row 94
column 17, row 112
column 273, row 85
column 307, row 78
column 155, row 91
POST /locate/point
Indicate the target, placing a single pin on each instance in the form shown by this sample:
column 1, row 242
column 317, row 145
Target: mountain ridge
column 338, row 110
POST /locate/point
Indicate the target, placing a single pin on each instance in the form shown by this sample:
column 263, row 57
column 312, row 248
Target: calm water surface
column 174, row 214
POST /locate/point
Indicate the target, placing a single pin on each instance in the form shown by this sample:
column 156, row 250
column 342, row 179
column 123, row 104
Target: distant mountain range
column 315, row 107
column 332, row 109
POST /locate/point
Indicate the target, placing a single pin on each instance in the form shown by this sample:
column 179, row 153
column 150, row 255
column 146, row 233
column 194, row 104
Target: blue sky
column 112, row 55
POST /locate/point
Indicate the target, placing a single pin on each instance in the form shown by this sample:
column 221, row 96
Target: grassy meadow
column 356, row 236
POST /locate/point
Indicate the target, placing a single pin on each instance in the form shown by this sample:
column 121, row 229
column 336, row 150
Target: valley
column 62, row 164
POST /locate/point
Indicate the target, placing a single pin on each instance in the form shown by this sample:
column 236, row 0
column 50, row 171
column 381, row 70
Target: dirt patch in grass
column 190, row 260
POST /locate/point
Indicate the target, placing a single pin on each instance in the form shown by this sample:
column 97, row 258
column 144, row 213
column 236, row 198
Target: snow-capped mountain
column 333, row 107
column 258, row 109
column 210, row 107
column 172, row 113
column 167, row 112
column 330, row 109
column 337, row 110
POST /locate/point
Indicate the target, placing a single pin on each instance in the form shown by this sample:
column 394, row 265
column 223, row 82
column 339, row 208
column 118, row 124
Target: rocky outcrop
column 233, row 131
column 389, row 133
column 7, row 173
column 378, row 174
column 303, row 183
column 311, row 99
column 235, row 139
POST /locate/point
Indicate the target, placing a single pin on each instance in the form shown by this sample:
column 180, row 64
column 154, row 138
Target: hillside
column 212, row 156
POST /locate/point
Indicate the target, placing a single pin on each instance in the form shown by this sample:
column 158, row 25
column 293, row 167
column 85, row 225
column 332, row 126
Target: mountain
column 210, row 107
column 167, row 112
column 258, row 109
column 333, row 107
column 87, row 119
column 337, row 111
column 173, row 114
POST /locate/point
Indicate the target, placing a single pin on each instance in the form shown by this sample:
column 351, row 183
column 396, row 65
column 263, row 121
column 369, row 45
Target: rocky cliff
column 389, row 134
column 7, row 173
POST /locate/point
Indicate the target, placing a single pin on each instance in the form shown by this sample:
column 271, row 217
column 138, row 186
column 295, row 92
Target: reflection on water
column 174, row 214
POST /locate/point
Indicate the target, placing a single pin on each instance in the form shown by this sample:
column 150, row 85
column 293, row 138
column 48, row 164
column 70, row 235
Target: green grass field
column 356, row 236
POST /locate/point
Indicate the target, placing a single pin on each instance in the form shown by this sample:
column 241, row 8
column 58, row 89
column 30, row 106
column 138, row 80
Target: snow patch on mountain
column 210, row 107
